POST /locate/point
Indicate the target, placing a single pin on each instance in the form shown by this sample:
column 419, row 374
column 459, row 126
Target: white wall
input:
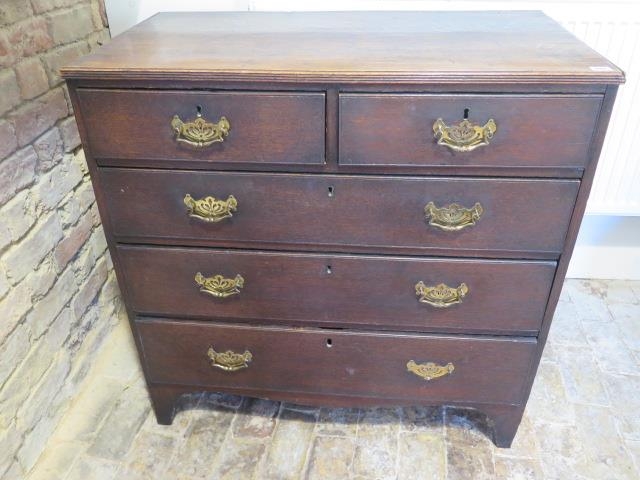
column 609, row 244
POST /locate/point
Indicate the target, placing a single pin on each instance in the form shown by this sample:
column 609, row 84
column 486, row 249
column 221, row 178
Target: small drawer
column 203, row 128
column 418, row 294
column 421, row 368
column 534, row 131
column 444, row 216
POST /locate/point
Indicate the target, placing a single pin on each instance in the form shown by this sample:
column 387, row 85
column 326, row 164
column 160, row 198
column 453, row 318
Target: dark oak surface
column 534, row 73
column 469, row 47
column 486, row 370
column 266, row 127
column 296, row 211
column 532, row 130
column 339, row 290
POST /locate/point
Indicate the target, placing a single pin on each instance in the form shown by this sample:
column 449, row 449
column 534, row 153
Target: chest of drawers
column 343, row 208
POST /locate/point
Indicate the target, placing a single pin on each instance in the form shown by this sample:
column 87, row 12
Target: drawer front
column 262, row 128
column 530, row 131
column 341, row 212
column 475, row 296
column 333, row 362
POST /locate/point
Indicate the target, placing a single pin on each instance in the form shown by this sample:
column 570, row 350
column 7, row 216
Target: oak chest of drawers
column 343, row 208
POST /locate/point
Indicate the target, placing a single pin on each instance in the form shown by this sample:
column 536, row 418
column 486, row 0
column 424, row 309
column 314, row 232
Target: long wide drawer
column 449, row 216
column 205, row 128
column 422, row 294
column 534, row 131
column 405, row 367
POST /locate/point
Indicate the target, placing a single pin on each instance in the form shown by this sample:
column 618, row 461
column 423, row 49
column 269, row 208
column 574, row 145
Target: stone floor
column 582, row 421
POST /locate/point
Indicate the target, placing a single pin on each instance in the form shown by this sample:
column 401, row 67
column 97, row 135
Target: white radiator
column 616, row 188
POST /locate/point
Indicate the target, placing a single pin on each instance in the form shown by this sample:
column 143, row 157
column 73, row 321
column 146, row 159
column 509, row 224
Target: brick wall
column 58, row 297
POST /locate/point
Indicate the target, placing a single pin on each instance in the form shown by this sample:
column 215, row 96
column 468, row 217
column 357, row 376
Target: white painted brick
column 14, row 350
column 13, row 307
column 20, row 384
column 95, row 214
column 90, row 289
column 15, row 471
column 49, row 148
column 76, row 237
column 4, row 284
column 44, row 191
column 80, row 158
column 25, row 256
column 9, row 444
column 109, row 260
column 56, row 184
column 34, row 444
column 17, row 172
column 77, row 204
column 44, row 393
column 5, row 236
column 17, row 216
column 84, row 262
column 98, row 242
column 60, row 329
column 36, row 440
column 87, row 339
column 53, row 302
column 30, row 372
column 42, row 279
column 110, row 290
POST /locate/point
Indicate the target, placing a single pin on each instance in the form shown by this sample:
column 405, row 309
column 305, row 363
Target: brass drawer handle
column 441, row 296
column 218, row 286
column 229, row 361
column 452, row 217
column 199, row 133
column 430, row 370
column 464, row 136
column 209, row 209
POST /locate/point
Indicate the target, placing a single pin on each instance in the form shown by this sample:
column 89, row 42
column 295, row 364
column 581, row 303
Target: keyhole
column 329, row 270
column 199, row 110
column 329, row 343
column 330, row 191
column 466, row 113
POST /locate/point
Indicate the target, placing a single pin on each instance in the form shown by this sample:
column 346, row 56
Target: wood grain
column 266, row 128
column 368, row 364
column 505, row 297
column 382, row 47
column 538, row 131
column 354, row 95
column 296, row 211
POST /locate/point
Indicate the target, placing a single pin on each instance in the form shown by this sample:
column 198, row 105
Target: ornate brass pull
column 208, row 209
column 452, row 217
column 229, row 361
column 441, row 296
column 430, row 370
column 199, row 133
column 464, row 136
column 218, row 286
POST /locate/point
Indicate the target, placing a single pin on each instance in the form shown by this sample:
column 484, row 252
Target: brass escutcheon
column 429, row 370
column 229, row 361
column 453, row 217
column 209, row 209
column 441, row 296
column 464, row 136
column 219, row 286
column 200, row 133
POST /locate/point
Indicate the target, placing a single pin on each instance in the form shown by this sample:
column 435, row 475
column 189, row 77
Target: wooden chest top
column 425, row 47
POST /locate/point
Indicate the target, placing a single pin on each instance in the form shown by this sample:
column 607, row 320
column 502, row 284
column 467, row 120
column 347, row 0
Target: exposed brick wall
column 58, row 297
